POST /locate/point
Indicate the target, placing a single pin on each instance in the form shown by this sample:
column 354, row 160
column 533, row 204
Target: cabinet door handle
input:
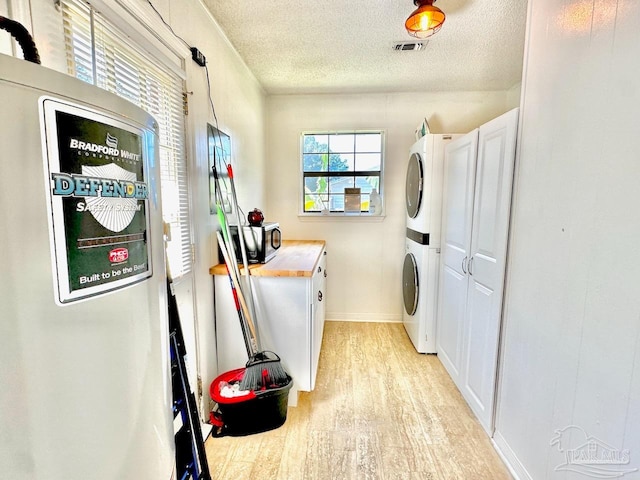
column 319, row 296
column 319, row 269
column 464, row 263
column 470, row 265
column 325, row 273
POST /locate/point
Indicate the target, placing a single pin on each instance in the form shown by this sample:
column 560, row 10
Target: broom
column 263, row 369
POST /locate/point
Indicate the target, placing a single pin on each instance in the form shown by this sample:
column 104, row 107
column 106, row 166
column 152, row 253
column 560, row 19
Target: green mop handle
column 243, row 250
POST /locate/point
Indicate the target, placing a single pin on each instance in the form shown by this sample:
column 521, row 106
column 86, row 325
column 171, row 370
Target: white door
column 459, row 179
column 486, row 265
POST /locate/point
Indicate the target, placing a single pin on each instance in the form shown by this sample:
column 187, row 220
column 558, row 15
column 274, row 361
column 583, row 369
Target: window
column 98, row 53
column 219, row 155
column 334, row 161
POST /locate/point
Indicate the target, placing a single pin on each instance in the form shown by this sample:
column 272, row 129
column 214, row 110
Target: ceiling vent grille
column 409, row 46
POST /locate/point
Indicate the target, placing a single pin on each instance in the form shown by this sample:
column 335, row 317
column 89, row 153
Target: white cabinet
column 477, row 200
column 459, row 182
column 290, row 314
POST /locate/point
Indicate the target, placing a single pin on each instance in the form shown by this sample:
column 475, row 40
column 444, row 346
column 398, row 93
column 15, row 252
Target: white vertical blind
column 98, row 53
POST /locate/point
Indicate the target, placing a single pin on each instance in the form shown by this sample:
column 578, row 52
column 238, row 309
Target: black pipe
column 23, row 37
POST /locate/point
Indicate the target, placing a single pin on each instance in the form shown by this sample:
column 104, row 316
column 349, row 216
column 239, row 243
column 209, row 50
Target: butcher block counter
column 295, row 258
column 290, row 292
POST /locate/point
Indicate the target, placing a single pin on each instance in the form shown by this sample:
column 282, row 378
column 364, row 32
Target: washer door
column 410, row 284
column 414, row 185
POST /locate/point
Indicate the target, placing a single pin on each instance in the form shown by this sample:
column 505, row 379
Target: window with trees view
column 332, row 162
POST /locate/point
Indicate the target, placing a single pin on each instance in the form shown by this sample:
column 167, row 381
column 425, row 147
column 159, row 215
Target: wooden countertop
column 295, row 258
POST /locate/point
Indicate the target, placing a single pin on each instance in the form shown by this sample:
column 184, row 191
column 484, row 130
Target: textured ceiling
column 330, row 46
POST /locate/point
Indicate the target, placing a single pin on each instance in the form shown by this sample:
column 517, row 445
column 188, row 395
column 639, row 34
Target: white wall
column 364, row 255
column 571, row 353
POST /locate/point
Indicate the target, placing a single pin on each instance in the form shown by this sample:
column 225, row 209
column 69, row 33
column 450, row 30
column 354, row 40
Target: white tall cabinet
column 475, row 223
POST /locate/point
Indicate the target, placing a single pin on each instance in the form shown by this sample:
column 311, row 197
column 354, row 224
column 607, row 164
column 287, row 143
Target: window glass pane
column 368, row 142
column 315, row 162
column 338, row 184
column 336, row 203
column 368, row 161
column 220, row 147
column 315, row 194
column 315, row 144
column 315, row 185
column 342, row 162
column 315, row 202
column 341, row 143
column 367, row 183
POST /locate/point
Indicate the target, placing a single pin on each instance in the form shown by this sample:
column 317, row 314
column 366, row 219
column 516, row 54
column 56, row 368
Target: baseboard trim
column 509, row 458
column 363, row 317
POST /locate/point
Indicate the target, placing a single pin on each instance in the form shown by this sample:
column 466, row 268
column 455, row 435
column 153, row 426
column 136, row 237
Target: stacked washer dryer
column 422, row 248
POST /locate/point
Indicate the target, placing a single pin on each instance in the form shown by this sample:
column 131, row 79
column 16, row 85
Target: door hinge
column 185, row 103
column 199, row 386
column 193, row 252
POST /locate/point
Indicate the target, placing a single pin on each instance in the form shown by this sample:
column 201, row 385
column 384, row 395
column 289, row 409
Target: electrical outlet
column 198, row 57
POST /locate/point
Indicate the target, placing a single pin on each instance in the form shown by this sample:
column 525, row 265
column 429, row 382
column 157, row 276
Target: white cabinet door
column 494, row 178
column 459, row 179
column 477, row 201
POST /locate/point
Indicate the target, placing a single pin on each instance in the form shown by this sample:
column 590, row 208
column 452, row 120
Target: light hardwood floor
column 379, row 411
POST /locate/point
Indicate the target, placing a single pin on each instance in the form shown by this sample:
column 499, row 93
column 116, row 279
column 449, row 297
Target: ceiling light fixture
column 426, row 20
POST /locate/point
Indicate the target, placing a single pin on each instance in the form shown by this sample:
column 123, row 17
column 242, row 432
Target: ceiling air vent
column 409, row 46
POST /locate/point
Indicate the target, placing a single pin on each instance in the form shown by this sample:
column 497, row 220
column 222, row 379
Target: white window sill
column 341, row 217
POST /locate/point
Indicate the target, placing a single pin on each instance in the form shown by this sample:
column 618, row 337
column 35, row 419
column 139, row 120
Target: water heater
column 85, row 390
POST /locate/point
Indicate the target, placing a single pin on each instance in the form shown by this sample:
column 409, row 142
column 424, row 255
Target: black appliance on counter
column 261, row 243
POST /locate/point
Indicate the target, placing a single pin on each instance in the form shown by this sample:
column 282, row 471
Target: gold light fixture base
column 426, row 20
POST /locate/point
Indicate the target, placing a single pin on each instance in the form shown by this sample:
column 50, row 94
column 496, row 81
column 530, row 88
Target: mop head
column 264, row 371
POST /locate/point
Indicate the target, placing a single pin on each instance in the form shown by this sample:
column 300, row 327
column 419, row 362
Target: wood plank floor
column 379, row 411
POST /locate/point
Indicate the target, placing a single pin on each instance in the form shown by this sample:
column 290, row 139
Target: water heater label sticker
column 99, row 201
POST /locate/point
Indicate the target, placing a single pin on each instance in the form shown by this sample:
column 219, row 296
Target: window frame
column 350, row 173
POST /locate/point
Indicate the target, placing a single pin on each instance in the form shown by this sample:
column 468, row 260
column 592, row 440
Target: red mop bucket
column 257, row 411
